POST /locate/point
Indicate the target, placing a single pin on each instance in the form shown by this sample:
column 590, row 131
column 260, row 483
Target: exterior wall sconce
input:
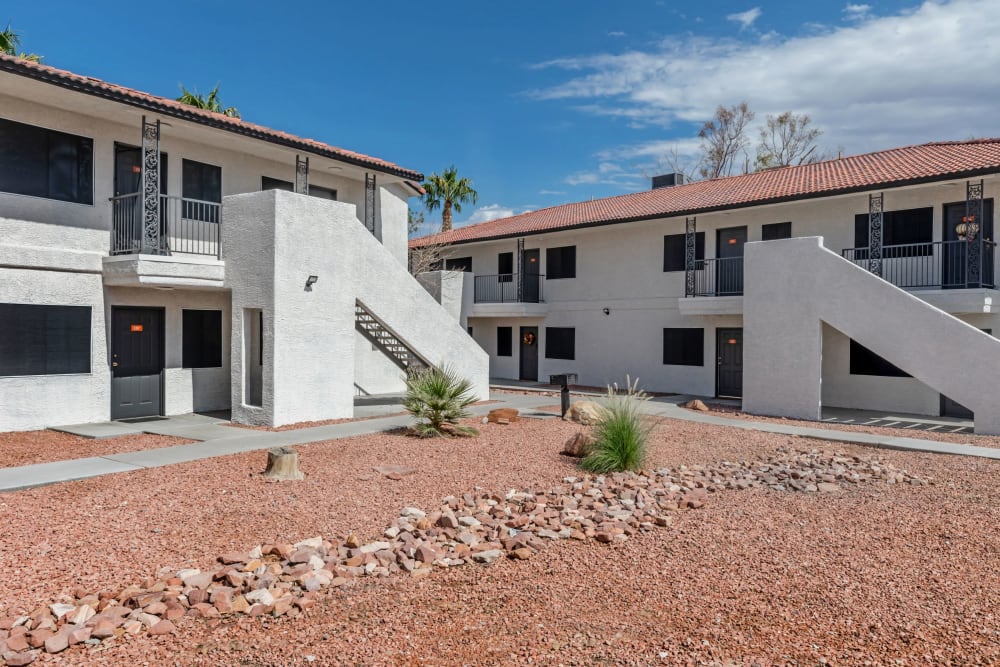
column 310, row 281
column 607, row 311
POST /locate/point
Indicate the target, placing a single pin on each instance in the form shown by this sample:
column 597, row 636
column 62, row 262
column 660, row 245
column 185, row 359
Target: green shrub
column 438, row 398
column 620, row 434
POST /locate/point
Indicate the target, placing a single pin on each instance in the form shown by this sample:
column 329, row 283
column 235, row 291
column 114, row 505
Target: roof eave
column 730, row 207
column 17, row 68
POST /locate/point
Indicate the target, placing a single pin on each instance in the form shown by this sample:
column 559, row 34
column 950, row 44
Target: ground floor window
column 684, row 347
column 505, row 341
column 866, row 362
column 202, row 339
column 44, row 340
column 560, row 343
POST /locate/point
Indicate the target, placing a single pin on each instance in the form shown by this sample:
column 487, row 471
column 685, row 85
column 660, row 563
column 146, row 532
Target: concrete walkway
column 220, row 440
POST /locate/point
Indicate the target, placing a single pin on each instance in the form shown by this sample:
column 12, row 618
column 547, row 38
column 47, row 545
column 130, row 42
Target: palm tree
column 210, row 103
column 448, row 192
column 10, row 44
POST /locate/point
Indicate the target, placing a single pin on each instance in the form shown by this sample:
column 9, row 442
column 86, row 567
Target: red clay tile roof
column 895, row 167
column 169, row 107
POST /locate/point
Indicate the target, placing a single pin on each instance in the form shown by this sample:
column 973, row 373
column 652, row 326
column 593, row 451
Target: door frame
column 718, row 359
column 163, row 352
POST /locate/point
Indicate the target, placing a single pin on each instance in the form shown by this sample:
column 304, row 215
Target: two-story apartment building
column 158, row 259
column 658, row 285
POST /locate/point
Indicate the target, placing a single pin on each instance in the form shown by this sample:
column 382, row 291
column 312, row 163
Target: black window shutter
column 44, row 340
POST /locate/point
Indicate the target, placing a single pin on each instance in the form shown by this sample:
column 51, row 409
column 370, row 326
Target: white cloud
column 551, row 192
column 489, row 212
column 857, row 12
column 880, row 82
column 746, row 19
column 616, row 33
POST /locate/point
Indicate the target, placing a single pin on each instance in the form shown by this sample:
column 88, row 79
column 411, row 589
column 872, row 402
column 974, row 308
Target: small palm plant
column 438, row 398
column 620, row 435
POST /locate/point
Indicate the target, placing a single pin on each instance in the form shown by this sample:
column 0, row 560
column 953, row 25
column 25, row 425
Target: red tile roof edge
column 895, row 167
column 170, row 107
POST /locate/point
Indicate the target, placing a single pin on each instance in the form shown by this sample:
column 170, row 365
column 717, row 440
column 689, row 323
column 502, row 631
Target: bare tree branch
column 787, row 139
column 724, row 140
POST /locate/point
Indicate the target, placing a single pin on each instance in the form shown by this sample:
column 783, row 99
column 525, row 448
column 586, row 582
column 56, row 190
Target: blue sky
column 549, row 101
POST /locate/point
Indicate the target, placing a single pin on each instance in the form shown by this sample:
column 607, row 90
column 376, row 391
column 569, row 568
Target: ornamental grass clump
column 620, row 433
column 438, row 398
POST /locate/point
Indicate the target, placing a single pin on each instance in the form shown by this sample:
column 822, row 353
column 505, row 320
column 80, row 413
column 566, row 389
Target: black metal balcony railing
column 935, row 265
column 508, row 288
column 187, row 226
column 722, row 276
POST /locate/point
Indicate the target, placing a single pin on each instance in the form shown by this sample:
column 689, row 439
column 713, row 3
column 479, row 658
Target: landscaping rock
column 578, row 445
column 584, row 412
column 695, row 405
column 503, row 416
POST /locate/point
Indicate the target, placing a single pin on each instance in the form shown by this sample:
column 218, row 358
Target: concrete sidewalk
column 224, row 440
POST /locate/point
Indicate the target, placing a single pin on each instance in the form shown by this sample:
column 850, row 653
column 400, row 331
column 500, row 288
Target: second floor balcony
column 509, row 288
column 177, row 226
column 938, row 265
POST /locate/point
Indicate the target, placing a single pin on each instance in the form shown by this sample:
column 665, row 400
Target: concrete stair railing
column 793, row 286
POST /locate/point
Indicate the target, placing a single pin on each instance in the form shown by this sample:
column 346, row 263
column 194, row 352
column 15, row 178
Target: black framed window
column 458, row 264
column 684, row 346
column 560, row 262
column 44, row 340
column 505, row 266
column 322, row 193
column 866, row 362
column 505, row 341
column 39, row 162
column 268, row 183
column 673, row 250
column 201, row 182
column 775, row 231
column 202, row 339
column 905, row 227
column 560, row 343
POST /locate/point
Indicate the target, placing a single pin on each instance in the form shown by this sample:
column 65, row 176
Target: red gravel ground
column 959, row 438
column 21, row 448
column 876, row 573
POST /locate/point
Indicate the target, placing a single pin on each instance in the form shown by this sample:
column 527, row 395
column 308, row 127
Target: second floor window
column 673, row 250
column 202, row 187
column 39, row 162
column 912, row 228
column 560, row 262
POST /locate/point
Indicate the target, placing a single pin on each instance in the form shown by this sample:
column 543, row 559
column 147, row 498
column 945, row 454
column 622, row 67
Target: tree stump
column 282, row 464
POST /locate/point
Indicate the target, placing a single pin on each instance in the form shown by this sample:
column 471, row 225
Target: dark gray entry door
column 729, row 368
column 529, row 353
column 729, row 268
column 136, row 362
column 530, row 276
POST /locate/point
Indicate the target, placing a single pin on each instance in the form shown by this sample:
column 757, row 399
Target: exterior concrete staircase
column 793, row 286
column 386, row 340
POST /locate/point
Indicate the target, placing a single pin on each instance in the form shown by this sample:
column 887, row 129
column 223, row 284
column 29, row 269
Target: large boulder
column 585, row 412
column 579, row 445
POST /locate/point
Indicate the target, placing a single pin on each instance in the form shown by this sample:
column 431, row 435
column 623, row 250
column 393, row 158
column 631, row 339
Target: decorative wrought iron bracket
column 150, row 180
column 370, row 202
column 875, row 234
column 520, row 269
column 690, row 240
column 973, row 222
column 301, row 175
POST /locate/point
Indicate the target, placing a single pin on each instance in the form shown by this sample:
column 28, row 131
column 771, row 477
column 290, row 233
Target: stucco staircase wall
column 792, row 286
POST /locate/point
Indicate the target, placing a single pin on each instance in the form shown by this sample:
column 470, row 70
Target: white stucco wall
column 793, row 286
column 40, row 401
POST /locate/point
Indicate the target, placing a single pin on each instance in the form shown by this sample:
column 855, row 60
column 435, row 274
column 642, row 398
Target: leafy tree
column 209, row 103
column 448, row 192
column 10, row 44
column 723, row 139
column 787, row 139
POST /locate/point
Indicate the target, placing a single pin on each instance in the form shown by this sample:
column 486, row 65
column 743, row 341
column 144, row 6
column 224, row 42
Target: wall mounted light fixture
column 310, row 281
column 607, row 311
